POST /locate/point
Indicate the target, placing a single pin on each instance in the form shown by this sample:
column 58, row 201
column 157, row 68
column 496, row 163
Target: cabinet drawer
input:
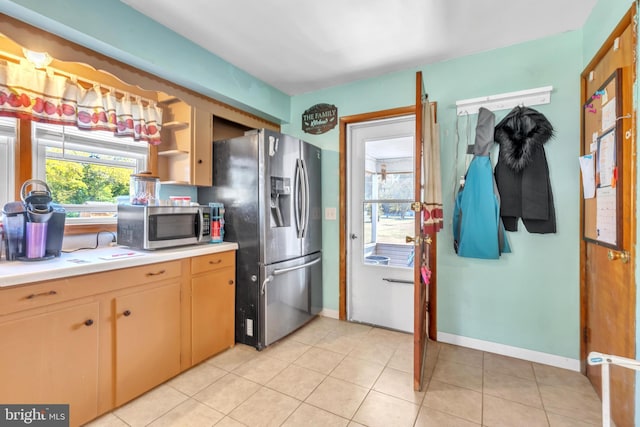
column 127, row 277
column 14, row 299
column 32, row 296
column 212, row 262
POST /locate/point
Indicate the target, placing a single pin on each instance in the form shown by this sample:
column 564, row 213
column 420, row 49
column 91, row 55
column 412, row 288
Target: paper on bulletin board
column 606, row 215
column 607, row 159
column 588, row 169
column 609, row 114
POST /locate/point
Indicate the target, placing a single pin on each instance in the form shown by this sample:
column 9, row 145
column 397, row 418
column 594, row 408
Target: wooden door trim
column 344, row 121
column 342, row 228
column 626, row 21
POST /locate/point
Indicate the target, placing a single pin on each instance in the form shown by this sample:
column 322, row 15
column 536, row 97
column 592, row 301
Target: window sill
column 88, row 228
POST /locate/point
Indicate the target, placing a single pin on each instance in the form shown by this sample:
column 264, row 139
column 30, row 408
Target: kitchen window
column 87, row 171
column 8, row 128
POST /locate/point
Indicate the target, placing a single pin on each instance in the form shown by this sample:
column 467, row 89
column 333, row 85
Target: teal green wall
column 529, row 298
column 390, row 91
column 116, row 30
column 512, row 301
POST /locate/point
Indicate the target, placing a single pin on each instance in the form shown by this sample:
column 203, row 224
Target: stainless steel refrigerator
column 270, row 185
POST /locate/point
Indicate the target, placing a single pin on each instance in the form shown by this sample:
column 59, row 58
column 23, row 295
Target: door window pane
column 389, row 191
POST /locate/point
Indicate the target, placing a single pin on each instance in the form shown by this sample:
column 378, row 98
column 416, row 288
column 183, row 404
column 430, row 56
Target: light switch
column 330, row 214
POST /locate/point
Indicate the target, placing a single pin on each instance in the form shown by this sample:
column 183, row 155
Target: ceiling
column 303, row 46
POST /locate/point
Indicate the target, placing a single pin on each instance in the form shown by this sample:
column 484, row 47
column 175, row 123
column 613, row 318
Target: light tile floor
column 335, row 373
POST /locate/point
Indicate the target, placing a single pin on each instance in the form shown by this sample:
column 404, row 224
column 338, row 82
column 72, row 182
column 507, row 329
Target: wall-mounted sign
column 320, row 118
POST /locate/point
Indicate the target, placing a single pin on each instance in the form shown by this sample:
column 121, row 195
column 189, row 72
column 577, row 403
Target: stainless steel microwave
column 156, row 227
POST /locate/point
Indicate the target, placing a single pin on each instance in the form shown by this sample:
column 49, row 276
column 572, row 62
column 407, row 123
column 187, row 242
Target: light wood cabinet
column 147, row 339
column 99, row 340
column 212, row 305
column 184, row 156
column 52, row 357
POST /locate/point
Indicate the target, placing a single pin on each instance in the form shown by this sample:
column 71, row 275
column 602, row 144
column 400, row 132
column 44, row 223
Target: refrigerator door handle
column 286, row 270
column 297, row 267
column 264, row 284
column 305, row 199
column 298, row 194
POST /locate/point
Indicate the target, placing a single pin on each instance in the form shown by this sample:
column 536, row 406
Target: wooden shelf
column 169, row 100
column 174, row 183
column 173, row 153
column 175, row 125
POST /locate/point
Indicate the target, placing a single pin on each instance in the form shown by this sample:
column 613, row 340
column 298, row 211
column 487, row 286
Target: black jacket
column 522, row 173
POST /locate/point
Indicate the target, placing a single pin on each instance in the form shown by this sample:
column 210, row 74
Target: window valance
column 42, row 96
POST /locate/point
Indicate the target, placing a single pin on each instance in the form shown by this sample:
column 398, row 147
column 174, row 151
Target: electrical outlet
column 330, row 214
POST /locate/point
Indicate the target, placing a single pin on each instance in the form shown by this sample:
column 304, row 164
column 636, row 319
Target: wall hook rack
column 504, row 101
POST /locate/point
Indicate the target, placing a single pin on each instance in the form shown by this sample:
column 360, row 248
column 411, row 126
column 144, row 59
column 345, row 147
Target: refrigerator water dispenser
column 280, row 201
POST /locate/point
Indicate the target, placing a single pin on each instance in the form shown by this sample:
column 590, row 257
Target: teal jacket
column 478, row 231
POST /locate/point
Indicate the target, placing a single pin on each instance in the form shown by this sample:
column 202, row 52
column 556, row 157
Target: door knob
column 418, row 240
column 622, row 256
column 353, row 236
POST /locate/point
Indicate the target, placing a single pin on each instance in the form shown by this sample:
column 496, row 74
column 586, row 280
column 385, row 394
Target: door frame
column 344, row 122
column 627, row 19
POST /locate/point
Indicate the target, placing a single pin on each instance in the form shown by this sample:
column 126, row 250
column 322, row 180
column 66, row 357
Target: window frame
column 45, row 135
column 8, row 141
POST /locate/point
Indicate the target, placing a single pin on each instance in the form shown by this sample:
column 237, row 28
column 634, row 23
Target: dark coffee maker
column 34, row 228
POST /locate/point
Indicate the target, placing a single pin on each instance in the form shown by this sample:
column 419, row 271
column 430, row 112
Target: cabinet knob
column 199, row 161
column 88, row 322
column 231, row 282
column 126, row 313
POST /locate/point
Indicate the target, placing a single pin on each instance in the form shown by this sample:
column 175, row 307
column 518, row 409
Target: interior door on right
column 608, row 284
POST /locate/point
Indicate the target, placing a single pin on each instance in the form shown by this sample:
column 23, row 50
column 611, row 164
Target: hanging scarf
column 432, row 191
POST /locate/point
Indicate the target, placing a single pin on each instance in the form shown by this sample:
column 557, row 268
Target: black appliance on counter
column 34, row 227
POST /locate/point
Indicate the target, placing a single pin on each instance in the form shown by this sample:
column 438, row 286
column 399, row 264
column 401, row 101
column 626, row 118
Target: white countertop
column 89, row 261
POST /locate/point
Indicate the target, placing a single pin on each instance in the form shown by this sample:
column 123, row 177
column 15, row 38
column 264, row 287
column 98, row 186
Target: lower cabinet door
column 52, row 358
column 147, row 340
column 212, row 313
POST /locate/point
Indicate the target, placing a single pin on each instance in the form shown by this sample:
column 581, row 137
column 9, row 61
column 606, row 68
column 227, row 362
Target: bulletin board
column 601, row 158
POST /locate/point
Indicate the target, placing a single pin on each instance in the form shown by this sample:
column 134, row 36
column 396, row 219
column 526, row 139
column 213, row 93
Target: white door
column 380, row 190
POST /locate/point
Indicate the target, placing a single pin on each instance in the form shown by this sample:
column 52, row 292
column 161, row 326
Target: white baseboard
column 507, row 350
column 326, row 312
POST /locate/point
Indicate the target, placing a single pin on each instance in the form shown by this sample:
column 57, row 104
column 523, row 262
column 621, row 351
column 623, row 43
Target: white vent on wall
column 505, row 101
